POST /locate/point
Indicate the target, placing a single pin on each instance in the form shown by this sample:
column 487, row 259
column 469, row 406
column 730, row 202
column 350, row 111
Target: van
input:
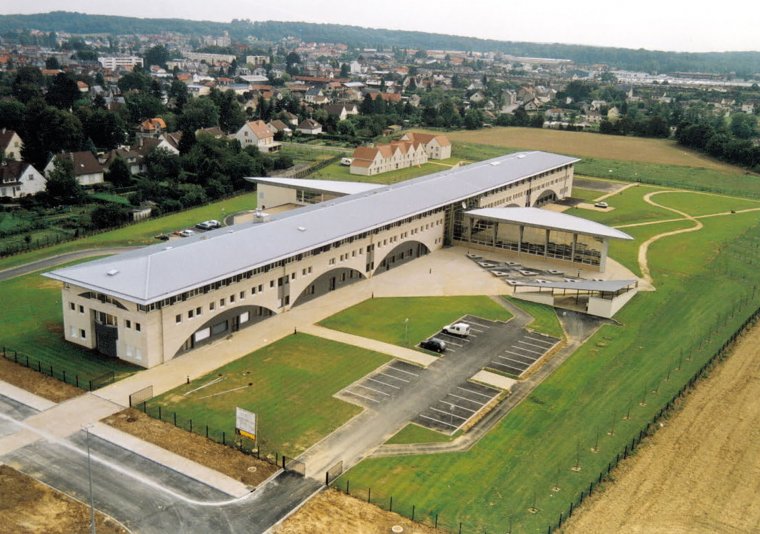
column 457, row 329
column 346, row 162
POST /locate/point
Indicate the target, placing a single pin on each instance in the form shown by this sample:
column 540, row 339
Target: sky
column 676, row 25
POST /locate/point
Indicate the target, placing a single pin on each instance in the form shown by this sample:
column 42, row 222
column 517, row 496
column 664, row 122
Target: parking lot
column 524, row 352
column 382, row 385
column 459, row 406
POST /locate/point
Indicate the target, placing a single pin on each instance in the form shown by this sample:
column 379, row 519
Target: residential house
column 87, row 169
column 435, row 146
column 18, row 179
column 289, row 118
column 152, row 127
column 10, row 144
column 309, row 127
column 277, row 126
column 132, row 157
column 368, row 161
column 342, row 110
column 256, row 133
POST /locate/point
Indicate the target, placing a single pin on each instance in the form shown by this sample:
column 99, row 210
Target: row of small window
column 127, row 322
column 74, row 332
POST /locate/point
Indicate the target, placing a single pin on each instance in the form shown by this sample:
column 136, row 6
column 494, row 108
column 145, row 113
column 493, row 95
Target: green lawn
column 666, row 335
column 700, row 179
column 292, row 383
column 702, row 204
column 544, row 317
column 385, row 319
column 626, row 207
column 412, row 433
column 141, row 233
column 587, row 195
column 477, row 152
column 627, row 252
column 31, row 323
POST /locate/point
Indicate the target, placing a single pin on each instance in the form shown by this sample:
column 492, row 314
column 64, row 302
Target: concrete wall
column 609, row 307
column 545, row 297
column 269, row 196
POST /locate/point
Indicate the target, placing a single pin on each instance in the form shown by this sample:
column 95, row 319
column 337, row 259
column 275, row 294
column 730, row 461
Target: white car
column 208, row 225
column 457, row 329
column 601, row 205
column 187, row 232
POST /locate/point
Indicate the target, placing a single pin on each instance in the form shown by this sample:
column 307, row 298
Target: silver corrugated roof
column 320, row 186
column 159, row 271
column 609, row 286
column 548, row 219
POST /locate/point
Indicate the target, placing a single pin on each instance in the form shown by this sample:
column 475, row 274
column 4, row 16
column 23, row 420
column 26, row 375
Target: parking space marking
column 457, row 406
column 394, row 377
column 372, row 379
column 362, row 396
column 528, row 358
column 518, row 354
column 529, row 350
column 465, row 398
column 451, row 415
column 518, row 371
column 524, row 365
column 448, row 342
column 475, row 392
column 403, row 371
column 532, row 345
column 476, row 330
column 375, row 390
column 439, row 421
column 478, row 324
column 539, row 340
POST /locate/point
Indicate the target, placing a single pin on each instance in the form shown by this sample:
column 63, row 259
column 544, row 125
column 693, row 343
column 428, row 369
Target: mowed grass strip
column 141, row 233
column 631, row 369
column 626, row 207
column 292, row 386
column 697, row 204
column 544, row 317
column 336, row 171
column 412, row 433
column 385, row 319
column 31, row 323
column 627, row 252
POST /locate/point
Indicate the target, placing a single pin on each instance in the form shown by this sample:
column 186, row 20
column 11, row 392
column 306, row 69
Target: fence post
column 145, row 407
column 64, row 376
column 27, row 360
column 207, row 431
column 327, row 478
column 191, row 425
column 390, row 504
column 175, row 418
column 77, row 379
column 283, row 461
column 413, row 512
column 159, row 412
column 436, row 520
column 51, row 370
column 224, row 439
column 39, row 366
column 90, row 385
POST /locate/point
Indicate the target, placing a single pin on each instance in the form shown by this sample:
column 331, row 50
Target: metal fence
column 82, row 381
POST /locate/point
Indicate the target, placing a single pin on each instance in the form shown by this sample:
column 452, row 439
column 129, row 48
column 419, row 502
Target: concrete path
column 402, row 353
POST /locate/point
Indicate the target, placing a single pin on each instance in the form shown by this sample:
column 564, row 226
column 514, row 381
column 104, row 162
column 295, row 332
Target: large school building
column 151, row 305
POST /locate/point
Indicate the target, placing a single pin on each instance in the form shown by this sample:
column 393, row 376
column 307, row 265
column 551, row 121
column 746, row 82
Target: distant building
column 256, row 133
column 10, row 144
column 120, row 62
column 435, row 146
column 368, row 161
column 87, row 169
column 309, row 127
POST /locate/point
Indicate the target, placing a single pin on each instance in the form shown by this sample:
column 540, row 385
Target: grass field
column 627, row 252
column 588, row 195
column 412, row 433
column 31, row 323
column 590, row 145
column 702, row 281
column 627, row 207
column 544, row 317
column 141, row 233
column 701, row 204
column 289, row 384
column 385, row 319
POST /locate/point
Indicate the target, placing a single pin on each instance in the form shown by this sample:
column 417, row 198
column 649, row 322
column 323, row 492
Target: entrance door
column 332, row 283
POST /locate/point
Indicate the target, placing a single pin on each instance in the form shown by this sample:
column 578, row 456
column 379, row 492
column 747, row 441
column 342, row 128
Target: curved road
column 52, row 261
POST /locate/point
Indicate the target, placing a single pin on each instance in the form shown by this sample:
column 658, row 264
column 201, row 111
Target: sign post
column 246, row 424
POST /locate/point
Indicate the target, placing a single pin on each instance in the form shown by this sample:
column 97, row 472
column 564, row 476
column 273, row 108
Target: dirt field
column 592, row 145
column 700, row 473
column 37, row 383
column 332, row 512
column 28, row 507
column 197, row 448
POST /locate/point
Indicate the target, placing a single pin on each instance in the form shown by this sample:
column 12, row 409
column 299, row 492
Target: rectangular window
column 81, row 309
column 178, row 318
column 253, row 290
column 211, row 306
column 242, row 294
column 72, row 306
column 128, row 323
column 293, row 276
column 271, row 283
column 200, row 335
column 82, row 333
column 232, row 299
column 221, row 303
column 261, row 288
column 190, row 314
column 137, row 327
column 198, row 310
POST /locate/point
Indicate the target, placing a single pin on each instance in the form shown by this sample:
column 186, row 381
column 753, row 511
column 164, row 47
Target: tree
column 27, row 84
column 198, row 113
column 51, row 63
column 743, row 126
column 118, row 173
column 291, row 62
column 109, row 215
column 142, row 106
column 107, row 130
column 345, row 70
column 178, row 95
column 61, row 185
column 48, row 130
column 136, row 80
column 231, row 115
column 12, row 114
column 157, row 55
column 162, row 165
column 63, row 91
column 473, row 119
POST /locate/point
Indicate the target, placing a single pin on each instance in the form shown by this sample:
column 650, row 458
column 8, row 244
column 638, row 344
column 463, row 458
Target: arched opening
column 545, row 198
column 327, row 282
column 401, row 254
column 224, row 324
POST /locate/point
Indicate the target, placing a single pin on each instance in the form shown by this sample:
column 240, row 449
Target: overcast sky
column 656, row 25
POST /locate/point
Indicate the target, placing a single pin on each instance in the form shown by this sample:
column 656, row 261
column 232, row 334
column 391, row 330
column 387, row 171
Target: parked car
column 346, row 162
column 187, row 232
column 208, row 225
column 601, row 205
column 457, row 329
column 434, row 344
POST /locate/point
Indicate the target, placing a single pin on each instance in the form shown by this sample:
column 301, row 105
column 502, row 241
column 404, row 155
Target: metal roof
column 607, row 286
column 318, row 186
column 548, row 219
column 159, row 271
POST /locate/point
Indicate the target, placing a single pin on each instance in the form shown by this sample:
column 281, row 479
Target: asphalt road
column 52, row 261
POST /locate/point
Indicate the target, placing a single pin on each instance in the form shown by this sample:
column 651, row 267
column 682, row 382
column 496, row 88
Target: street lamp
column 406, row 331
column 86, row 429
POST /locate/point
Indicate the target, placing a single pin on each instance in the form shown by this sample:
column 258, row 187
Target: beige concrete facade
column 152, row 335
